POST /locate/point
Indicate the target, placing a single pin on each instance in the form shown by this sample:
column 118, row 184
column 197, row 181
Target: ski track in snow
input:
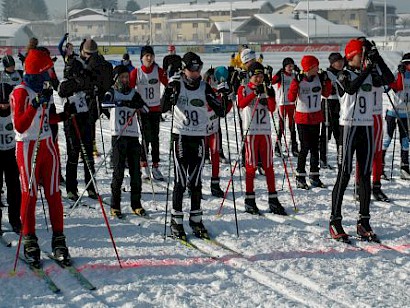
column 280, row 261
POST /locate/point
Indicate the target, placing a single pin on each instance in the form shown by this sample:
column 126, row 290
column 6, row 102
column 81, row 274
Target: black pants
column 126, row 148
column 309, row 142
column 8, row 167
column 86, row 126
column 189, row 157
column 333, row 113
column 353, row 139
column 150, row 135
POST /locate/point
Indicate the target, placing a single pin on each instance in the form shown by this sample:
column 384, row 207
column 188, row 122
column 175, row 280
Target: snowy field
column 278, row 261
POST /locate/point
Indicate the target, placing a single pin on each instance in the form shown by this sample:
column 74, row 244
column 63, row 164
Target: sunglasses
column 194, row 67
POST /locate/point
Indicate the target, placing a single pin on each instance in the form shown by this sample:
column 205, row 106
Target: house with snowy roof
column 364, row 15
column 293, row 28
column 14, row 34
column 191, row 21
column 99, row 24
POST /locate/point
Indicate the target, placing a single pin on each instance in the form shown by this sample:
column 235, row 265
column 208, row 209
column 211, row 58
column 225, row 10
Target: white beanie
column 247, row 55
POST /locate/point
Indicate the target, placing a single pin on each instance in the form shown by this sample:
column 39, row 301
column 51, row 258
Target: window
column 178, row 25
column 142, row 27
column 157, row 26
column 195, row 37
column 352, row 16
column 89, row 26
column 195, row 25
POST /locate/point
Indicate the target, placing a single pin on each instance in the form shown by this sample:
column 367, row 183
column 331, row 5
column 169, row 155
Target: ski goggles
column 194, row 67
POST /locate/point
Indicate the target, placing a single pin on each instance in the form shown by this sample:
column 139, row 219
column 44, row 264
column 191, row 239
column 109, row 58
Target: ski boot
column 405, row 172
column 156, row 173
column 364, row 231
column 216, row 190
column 336, row 230
column 92, row 194
column 325, row 165
column 223, row 159
column 139, row 211
column 177, row 228
column 378, row 194
column 31, row 250
column 250, row 204
column 60, row 250
column 274, row 205
column 316, row 182
column 301, row 183
column 116, row 213
column 145, row 171
column 195, row 222
column 72, row 195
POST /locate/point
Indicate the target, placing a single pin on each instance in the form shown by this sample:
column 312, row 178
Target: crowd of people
column 344, row 100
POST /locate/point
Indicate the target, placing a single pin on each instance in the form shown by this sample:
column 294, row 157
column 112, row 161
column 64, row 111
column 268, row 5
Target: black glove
column 175, row 82
column 261, row 57
column 223, row 88
column 70, row 108
column 109, row 96
column 233, row 56
column 136, row 102
column 40, row 100
column 270, row 92
column 299, row 77
column 401, row 68
column 260, row 89
column 21, row 57
column 373, row 55
column 323, row 77
column 47, row 93
column 66, row 35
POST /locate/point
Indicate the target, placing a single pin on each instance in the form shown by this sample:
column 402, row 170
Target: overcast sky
column 57, row 7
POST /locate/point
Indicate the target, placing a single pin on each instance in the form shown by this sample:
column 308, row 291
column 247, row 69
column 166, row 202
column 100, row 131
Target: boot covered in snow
column 364, row 231
column 275, row 206
column 177, row 227
column 195, row 222
column 378, row 194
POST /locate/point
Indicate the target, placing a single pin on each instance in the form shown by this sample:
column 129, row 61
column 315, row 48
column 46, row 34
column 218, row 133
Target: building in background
column 14, row 34
column 189, row 22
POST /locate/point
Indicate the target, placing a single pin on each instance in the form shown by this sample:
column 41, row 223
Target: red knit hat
column 308, row 62
column 353, row 48
column 171, row 47
column 37, row 62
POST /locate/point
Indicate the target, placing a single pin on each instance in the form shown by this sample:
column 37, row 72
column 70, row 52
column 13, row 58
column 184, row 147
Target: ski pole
column 30, row 183
column 87, row 161
column 394, row 151
column 326, row 130
column 75, row 205
column 145, row 149
column 234, row 107
column 101, row 131
column 171, row 150
column 295, row 208
column 239, row 155
column 224, row 98
column 44, row 209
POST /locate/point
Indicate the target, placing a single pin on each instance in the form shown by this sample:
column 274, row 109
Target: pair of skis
column 42, row 274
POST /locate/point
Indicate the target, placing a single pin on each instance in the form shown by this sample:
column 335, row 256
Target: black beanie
column 8, row 61
column 191, row 60
column 118, row 70
column 146, row 49
column 287, row 61
column 256, row 68
column 334, row 57
column 406, row 58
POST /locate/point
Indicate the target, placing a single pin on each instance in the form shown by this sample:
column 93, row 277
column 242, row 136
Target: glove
column 233, row 56
column 174, row 81
column 263, row 101
column 40, row 100
column 66, row 35
column 323, row 77
column 260, row 89
column 401, row 68
column 21, row 57
column 70, row 108
column 373, row 55
column 135, row 103
column 270, row 92
column 261, row 57
column 48, row 92
column 299, row 77
column 54, row 59
column 223, row 88
column 109, row 96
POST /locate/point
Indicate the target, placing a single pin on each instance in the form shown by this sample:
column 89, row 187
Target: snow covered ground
column 281, row 262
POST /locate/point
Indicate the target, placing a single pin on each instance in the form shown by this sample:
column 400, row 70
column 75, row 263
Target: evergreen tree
column 96, row 4
column 25, row 9
column 132, row 6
